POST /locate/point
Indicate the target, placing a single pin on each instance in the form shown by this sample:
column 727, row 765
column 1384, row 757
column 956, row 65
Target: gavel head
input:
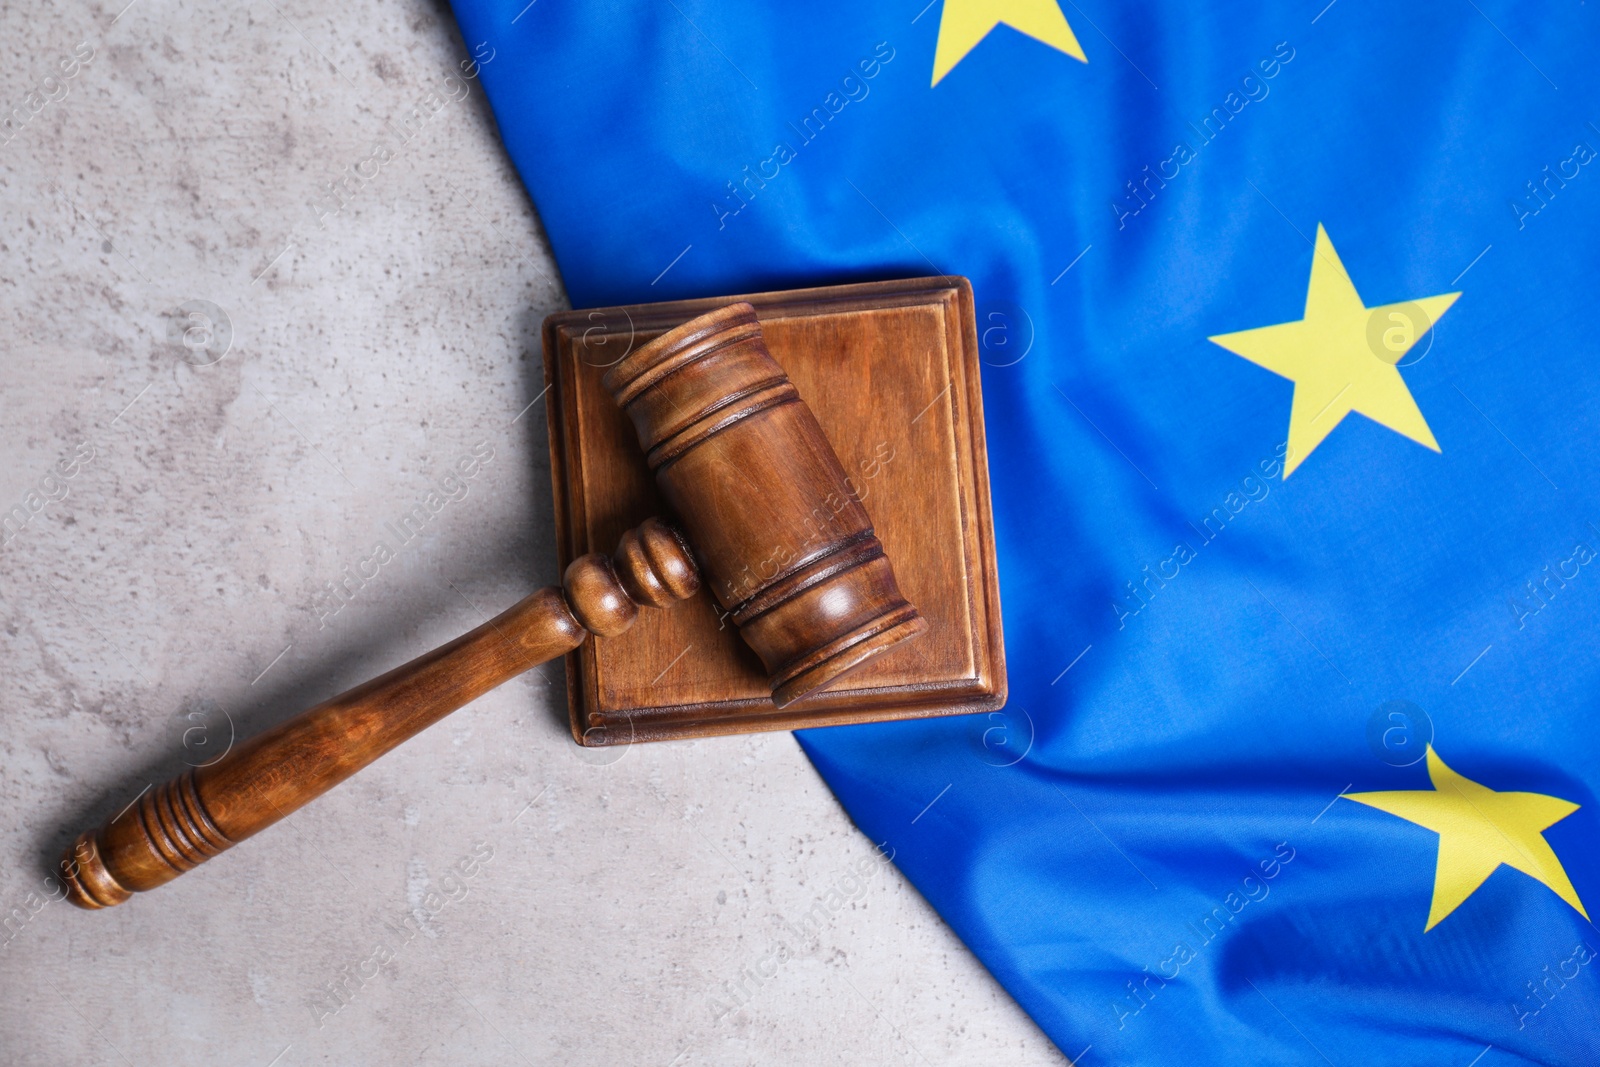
column 784, row 544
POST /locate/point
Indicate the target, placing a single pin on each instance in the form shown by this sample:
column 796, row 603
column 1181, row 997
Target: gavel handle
column 174, row 828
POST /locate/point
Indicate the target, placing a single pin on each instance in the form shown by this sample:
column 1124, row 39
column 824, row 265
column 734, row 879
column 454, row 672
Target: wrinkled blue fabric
column 1147, row 847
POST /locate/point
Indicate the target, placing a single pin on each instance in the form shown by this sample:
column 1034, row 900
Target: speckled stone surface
column 267, row 276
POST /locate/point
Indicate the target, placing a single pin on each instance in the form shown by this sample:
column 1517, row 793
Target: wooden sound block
column 891, row 371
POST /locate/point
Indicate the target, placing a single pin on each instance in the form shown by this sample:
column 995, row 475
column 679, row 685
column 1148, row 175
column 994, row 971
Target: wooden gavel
column 741, row 461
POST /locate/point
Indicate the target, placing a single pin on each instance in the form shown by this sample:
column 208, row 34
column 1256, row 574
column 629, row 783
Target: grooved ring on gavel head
column 783, row 541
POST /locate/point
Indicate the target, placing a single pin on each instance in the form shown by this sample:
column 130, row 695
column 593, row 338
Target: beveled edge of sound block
column 986, row 691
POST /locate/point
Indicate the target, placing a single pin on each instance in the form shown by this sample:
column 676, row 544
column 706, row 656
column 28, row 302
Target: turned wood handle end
column 88, row 883
column 163, row 833
column 177, row 826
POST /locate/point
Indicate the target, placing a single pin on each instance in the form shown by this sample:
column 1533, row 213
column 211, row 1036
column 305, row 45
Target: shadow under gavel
column 741, row 461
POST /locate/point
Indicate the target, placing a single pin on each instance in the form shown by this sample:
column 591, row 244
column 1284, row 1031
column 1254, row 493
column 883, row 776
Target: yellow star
column 1479, row 829
column 1342, row 356
column 966, row 22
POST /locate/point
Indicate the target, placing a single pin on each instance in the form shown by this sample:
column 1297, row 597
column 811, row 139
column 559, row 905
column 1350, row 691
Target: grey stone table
column 267, row 277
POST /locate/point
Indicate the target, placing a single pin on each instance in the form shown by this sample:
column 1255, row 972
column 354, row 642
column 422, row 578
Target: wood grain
column 890, row 370
column 784, row 542
column 780, row 522
column 174, row 828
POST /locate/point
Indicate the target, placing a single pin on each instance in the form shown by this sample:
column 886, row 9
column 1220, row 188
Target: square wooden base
column 891, row 371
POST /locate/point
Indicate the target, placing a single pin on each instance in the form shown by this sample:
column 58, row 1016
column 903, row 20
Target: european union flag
column 1289, row 315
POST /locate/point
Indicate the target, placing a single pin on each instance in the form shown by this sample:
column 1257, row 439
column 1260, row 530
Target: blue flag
column 1289, row 321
